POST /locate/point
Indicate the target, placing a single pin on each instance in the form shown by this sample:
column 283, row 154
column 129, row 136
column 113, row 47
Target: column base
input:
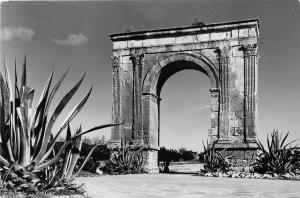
column 239, row 154
column 151, row 164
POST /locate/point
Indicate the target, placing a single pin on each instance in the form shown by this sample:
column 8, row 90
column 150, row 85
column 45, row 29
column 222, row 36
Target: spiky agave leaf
column 24, row 74
column 77, row 143
column 67, row 153
column 55, row 158
column 5, row 120
column 70, row 117
column 4, row 161
column 4, row 128
column 8, row 82
column 4, row 100
column 39, row 113
column 94, row 129
column 86, row 159
column 55, row 88
column 46, row 134
column 24, row 157
column 14, row 138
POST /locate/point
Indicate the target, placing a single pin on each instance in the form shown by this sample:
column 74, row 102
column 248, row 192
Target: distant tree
column 187, row 155
column 87, row 140
column 167, row 156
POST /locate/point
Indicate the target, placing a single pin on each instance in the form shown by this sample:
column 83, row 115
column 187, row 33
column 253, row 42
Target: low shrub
column 187, row 155
column 213, row 160
column 127, row 160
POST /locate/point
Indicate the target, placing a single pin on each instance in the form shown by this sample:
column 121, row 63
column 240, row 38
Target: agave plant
column 127, row 160
column 213, row 160
column 27, row 134
column 279, row 157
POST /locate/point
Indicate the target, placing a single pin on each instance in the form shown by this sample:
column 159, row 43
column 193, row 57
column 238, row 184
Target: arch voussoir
column 150, row 80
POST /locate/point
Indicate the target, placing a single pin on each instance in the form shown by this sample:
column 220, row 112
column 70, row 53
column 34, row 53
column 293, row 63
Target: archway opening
column 184, row 113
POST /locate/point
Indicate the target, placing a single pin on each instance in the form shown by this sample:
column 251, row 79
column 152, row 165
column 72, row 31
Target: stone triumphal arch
column 225, row 52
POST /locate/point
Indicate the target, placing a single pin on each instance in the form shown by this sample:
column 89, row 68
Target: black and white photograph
column 144, row 99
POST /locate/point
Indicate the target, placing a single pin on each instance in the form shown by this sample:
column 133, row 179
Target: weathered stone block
column 218, row 36
column 120, row 45
column 149, row 42
column 234, row 33
column 243, row 33
column 166, row 41
column 135, row 43
column 252, row 32
column 185, row 39
column 202, row 37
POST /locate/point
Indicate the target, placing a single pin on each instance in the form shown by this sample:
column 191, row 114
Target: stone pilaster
column 150, row 119
column 214, row 133
column 250, row 92
column 223, row 55
column 137, row 68
column 116, row 97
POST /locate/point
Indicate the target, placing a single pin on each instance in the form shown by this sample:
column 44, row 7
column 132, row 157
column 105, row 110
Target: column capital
column 249, row 50
column 223, row 51
column 214, row 92
column 137, row 58
column 115, row 61
column 152, row 96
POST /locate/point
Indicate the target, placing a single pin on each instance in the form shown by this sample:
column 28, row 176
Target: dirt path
column 174, row 185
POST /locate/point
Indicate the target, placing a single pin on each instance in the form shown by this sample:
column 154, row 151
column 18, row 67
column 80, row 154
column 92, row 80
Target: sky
column 56, row 35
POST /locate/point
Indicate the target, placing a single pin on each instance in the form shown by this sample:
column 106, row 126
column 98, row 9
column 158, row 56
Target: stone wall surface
column 225, row 52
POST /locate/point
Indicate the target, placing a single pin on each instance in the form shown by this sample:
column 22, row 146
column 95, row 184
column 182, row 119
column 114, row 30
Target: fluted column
column 223, row 55
column 137, row 68
column 116, row 97
column 250, row 92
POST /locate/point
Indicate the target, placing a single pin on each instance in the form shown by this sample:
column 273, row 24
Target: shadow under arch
column 154, row 81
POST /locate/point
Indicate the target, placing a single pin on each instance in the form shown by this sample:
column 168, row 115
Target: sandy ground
column 185, row 185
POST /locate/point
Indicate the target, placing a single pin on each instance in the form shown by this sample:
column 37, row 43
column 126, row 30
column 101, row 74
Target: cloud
column 9, row 33
column 204, row 107
column 72, row 40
